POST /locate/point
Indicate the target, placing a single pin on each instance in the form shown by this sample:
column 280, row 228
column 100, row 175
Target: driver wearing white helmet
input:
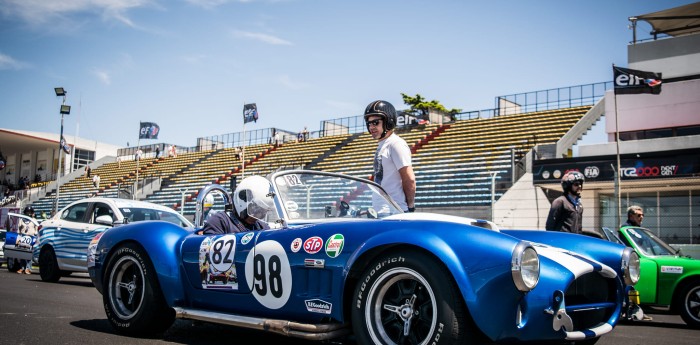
column 252, row 200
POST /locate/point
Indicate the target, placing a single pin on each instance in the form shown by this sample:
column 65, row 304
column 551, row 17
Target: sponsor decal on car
column 334, row 245
column 318, row 306
column 247, row 237
column 296, row 245
column 672, row 269
column 314, row 263
column 313, row 245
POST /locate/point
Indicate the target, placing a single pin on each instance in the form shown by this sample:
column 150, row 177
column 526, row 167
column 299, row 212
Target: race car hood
column 444, row 218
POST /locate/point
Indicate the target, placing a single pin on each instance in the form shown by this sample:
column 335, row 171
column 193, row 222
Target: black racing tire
column 48, row 265
column 689, row 304
column 132, row 297
column 425, row 302
column 12, row 265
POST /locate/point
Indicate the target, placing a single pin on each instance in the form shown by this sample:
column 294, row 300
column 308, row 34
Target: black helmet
column 385, row 110
column 28, row 210
column 570, row 178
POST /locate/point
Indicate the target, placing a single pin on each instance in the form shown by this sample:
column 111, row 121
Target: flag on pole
column 250, row 113
column 65, row 146
column 629, row 81
column 149, row 130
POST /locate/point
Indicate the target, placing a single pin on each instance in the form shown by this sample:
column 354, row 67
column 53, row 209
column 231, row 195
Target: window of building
column 82, row 158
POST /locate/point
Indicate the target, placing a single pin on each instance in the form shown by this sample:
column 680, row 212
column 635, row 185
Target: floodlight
column 65, row 109
column 59, row 91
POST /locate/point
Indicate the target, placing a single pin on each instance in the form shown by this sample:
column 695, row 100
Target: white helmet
column 208, row 200
column 253, row 197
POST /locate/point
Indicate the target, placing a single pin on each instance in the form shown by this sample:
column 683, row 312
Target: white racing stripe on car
column 598, row 331
column 571, row 261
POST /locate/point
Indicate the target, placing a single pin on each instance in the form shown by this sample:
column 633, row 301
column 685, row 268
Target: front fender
column 161, row 241
column 478, row 260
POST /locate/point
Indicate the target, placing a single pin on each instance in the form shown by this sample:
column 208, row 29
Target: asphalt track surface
column 71, row 312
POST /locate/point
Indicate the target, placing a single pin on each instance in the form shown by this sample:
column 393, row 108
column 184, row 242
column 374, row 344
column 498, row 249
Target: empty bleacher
column 453, row 162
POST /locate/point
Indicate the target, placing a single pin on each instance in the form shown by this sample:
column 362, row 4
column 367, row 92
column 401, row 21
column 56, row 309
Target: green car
column 667, row 278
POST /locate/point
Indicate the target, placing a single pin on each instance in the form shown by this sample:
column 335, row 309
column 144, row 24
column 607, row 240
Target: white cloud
column 7, row 62
column 58, row 13
column 265, row 38
column 103, row 75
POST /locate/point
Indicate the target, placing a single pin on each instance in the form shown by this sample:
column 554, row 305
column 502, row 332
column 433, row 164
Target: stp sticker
column 296, row 245
column 334, row 245
column 313, row 245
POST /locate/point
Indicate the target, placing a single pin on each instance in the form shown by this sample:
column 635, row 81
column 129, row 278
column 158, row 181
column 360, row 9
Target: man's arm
column 553, row 217
column 408, row 182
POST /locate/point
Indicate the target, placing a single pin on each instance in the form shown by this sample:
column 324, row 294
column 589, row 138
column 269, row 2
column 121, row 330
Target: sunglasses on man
column 374, row 122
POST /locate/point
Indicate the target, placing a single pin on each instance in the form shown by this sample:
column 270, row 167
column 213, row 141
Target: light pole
column 65, row 110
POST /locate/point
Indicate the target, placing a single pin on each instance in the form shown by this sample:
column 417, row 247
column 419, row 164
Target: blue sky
column 190, row 65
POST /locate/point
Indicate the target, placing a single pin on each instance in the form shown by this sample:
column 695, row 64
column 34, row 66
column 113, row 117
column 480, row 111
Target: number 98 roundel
column 268, row 274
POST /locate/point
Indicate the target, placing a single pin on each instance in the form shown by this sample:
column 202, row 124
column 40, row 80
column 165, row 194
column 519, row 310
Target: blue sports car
column 341, row 258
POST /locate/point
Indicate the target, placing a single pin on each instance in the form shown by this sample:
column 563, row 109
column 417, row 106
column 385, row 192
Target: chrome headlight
column 525, row 267
column 630, row 266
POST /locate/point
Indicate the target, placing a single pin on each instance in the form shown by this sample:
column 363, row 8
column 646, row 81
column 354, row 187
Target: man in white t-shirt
column 392, row 160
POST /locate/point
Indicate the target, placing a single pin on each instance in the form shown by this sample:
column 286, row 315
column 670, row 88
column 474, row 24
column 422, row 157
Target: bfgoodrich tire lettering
column 133, row 301
column 408, row 298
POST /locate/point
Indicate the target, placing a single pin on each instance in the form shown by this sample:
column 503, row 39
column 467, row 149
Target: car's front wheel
column 690, row 307
column 408, row 298
column 48, row 266
column 133, row 301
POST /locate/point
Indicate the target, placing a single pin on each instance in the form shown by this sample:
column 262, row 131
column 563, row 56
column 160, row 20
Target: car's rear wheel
column 48, row 266
column 405, row 298
column 133, row 300
column 12, row 265
column 690, row 307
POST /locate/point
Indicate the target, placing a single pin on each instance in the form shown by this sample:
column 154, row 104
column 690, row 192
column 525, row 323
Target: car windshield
column 648, row 243
column 141, row 214
column 311, row 195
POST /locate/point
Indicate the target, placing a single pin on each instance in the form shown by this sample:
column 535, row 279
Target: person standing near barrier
column 566, row 213
column 635, row 216
column 392, row 159
column 28, row 228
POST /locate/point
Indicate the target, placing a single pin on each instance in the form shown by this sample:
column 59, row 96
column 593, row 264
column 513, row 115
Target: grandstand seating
column 453, row 162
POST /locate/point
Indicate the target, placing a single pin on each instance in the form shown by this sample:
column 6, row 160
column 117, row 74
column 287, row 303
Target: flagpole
column 138, row 159
column 618, row 176
column 243, row 149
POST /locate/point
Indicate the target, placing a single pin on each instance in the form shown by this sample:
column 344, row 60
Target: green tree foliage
column 419, row 107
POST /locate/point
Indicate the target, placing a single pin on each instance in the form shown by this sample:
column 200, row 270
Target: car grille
column 590, row 300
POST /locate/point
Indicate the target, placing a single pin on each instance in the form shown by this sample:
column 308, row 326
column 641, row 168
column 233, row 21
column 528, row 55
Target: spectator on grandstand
column 635, row 216
column 305, row 134
column 87, row 171
column 237, row 152
column 96, row 181
column 158, row 151
column 566, row 213
column 276, row 139
column 392, row 159
column 252, row 201
column 139, row 153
